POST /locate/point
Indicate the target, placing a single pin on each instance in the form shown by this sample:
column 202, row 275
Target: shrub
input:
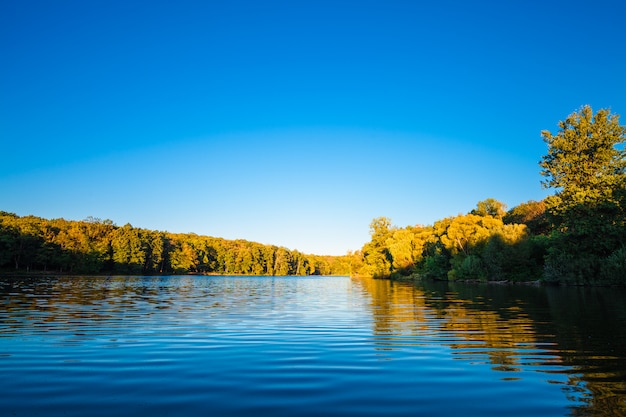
column 613, row 268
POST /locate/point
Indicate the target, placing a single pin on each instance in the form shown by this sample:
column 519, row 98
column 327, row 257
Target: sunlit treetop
column 586, row 154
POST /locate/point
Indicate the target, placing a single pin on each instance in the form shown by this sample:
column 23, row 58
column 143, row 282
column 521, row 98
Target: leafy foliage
column 98, row 246
column 532, row 214
column 576, row 236
column 586, row 164
column 466, row 247
column 490, row 207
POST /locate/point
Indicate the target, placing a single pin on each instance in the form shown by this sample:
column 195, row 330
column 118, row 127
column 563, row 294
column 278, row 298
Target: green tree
column 9, row 245
column 183, row 258
column 466, row 234
column 406, row 247
column 511, row 254
column 465, row 238
column 282, row 263
column 584, row 159
column 490, row 207
column 129, row 250
column 22, row 239
column 436, row 261
column 400, row 245
column 532, row 214
column 474, row 247
column 586, row 165
column 244, row 260
column 269, row 258
column 376, row 255
column 155, row 251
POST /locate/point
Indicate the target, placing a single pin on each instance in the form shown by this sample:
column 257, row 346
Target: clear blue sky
column 292, row 123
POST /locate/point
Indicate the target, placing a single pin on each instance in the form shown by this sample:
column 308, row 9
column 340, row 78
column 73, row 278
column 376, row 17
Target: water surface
column 333, row 346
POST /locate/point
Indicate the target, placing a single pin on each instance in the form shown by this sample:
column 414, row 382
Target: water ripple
column 289, row 346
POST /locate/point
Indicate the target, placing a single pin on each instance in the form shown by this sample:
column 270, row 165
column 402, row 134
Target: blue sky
column 292, row 123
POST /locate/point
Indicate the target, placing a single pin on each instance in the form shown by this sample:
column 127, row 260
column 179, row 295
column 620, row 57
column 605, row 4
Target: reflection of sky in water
column 330, row 344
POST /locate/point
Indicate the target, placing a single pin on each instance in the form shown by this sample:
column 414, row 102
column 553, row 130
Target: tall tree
column 282, row 263
column 376, row 255
column 586, row 165
column 490, row 207
column 586, row 160
column 129, row 249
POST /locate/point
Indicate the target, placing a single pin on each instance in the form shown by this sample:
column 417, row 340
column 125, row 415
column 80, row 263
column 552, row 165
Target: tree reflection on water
column 575, row 334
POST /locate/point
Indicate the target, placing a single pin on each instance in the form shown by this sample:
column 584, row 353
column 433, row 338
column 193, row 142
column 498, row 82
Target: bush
column 435, row 267
column 470, row 268
column 613, row 268
column 571, row 268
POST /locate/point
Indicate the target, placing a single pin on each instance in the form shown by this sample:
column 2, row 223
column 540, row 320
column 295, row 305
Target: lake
column 308, row 346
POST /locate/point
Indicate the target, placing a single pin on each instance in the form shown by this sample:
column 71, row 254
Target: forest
column 577, row 236
column 93, row 246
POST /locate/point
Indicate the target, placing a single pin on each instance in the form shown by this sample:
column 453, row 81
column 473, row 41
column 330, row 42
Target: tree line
column 95, row 246
column 575, row 236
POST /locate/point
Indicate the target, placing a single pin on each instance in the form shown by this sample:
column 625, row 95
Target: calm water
column 226, row 346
